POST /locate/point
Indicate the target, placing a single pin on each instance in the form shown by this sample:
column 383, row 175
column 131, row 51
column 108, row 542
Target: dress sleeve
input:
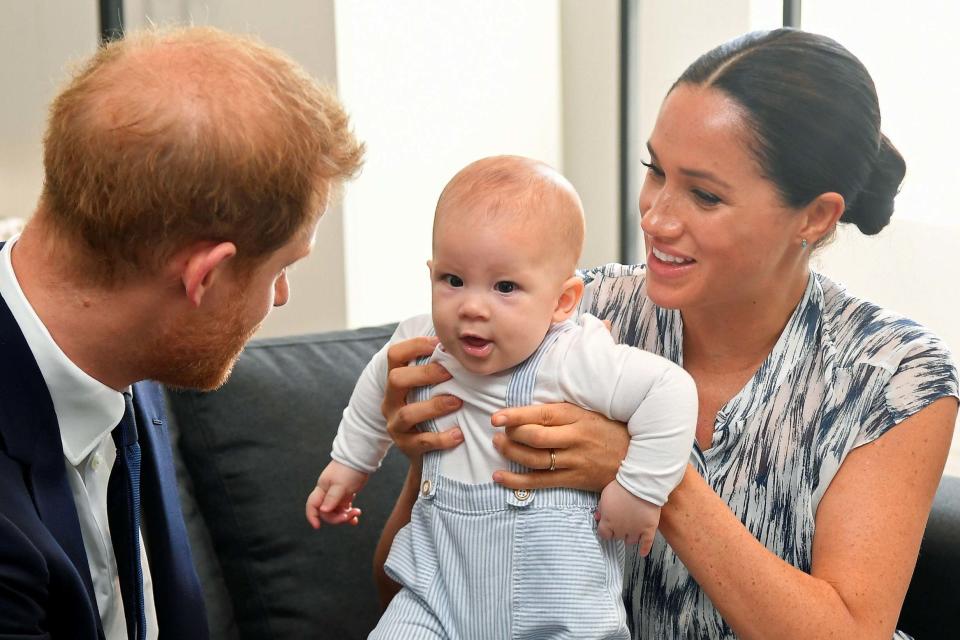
column 924, row 372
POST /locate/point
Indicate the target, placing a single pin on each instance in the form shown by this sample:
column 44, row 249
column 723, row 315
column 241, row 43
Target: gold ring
column 553, row 460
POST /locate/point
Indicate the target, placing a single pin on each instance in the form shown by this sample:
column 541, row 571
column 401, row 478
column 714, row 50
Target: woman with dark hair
column 824, row 419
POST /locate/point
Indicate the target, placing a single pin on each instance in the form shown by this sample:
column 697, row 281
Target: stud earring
column 803, row 244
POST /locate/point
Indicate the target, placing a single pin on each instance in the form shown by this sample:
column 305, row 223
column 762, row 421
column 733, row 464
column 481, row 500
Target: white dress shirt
column 87, row 411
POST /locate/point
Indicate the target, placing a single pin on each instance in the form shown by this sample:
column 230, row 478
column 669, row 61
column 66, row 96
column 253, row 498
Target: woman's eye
column 452, row 280
column 706, row 197
column 653, row 168
column 505, row 287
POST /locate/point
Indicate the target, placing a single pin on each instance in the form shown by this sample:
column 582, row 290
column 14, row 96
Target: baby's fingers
column 646, row 542
column 314, row 500
column 347, row 515
column 604, row 530
column 334, row 496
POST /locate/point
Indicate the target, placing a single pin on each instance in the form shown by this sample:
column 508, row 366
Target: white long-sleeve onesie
column 584, row 366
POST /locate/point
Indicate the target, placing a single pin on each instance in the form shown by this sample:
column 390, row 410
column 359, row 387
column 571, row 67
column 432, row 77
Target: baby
column 478, row 560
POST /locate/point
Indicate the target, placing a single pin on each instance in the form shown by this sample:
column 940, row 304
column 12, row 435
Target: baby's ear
column 430, row 266
column 570, row 294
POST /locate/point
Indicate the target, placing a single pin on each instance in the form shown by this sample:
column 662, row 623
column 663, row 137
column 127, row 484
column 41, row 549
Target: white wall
column 912, row 265
column 37, row 41
column 674, row 33
column 590, row 62
column 304, row 30
column 433, row 86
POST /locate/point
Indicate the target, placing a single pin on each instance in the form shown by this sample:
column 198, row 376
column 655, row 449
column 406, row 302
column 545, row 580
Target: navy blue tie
column 123, row 513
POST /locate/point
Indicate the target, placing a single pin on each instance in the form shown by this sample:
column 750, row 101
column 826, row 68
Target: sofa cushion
column 932, row 605
column 253, row 450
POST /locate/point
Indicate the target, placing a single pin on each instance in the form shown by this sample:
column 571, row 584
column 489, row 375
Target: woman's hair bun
column 872, row 207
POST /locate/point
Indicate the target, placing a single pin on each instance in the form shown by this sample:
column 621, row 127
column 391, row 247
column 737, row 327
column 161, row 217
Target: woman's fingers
column 587, row 446
column 569, row 478
column 534, row 457
column 549, row 415
column 407, row 377
column 416, row 443
column 400, row 353
column 405, row 418
column 540, row 437
column 401, row 378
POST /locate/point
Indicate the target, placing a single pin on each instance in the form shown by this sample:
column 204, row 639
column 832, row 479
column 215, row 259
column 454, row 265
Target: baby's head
column 507, row 235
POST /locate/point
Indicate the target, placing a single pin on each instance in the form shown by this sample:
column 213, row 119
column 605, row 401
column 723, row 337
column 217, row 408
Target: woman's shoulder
column 613, row 274
column 863, row 332
column 614, row 289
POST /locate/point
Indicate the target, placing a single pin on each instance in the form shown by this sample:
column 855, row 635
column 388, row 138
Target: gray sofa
column 250, row 452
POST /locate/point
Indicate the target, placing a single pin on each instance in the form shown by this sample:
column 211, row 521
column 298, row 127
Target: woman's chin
column 666, row 296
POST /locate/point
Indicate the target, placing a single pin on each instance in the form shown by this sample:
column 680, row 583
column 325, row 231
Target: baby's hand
column 331, row 501
column 626, row 517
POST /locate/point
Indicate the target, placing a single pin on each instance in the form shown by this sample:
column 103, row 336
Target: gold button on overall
column 426, row 487
column 521, row 494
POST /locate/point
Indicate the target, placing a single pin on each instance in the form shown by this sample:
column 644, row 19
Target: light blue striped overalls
column 482, row 562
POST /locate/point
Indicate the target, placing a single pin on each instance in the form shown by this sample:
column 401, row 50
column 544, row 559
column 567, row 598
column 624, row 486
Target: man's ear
column 570, row 294
column 202, row 265
column 821, row 216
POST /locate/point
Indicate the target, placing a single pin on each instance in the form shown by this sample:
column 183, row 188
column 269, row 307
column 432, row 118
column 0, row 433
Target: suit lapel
column 176, row 588
column 28, row 425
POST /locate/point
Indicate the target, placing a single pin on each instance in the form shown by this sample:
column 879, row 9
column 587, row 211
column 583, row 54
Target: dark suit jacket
column 45, row 585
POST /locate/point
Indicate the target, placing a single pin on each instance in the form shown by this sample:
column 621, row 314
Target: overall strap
column 520, row 394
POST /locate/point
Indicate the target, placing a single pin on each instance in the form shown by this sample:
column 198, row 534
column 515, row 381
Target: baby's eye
column 505, row 286
column 452, row 280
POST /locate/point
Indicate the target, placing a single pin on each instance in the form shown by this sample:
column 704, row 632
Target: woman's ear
column 822, row 215
column 570, row 294
column 202, row 265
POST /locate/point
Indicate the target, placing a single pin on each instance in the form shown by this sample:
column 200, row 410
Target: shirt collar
column 87, row 410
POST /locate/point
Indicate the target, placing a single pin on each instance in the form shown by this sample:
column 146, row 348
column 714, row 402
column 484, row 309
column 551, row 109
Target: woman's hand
column 402, row 421
column 585, row 447
column 403, row 418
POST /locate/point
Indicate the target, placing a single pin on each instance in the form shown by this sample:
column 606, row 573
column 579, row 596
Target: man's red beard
column 201, row 357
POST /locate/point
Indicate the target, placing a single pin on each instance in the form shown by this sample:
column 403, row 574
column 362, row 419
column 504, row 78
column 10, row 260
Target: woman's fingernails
column 498, row 420
column 456, row 434
column 451, row 403
column 498, row 477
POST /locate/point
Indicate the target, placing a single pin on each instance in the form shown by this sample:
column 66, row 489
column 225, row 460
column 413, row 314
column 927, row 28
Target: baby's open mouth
column 476, row 346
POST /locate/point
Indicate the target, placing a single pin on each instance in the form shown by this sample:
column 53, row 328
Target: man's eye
column 505, row 287
column 452, row 280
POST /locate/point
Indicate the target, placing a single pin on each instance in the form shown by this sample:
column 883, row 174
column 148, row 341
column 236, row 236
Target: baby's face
column 495, row 290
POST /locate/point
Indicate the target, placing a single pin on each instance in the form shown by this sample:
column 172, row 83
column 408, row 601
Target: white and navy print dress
column 843, row 372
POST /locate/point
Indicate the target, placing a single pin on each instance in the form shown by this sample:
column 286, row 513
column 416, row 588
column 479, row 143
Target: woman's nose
column 658, row 216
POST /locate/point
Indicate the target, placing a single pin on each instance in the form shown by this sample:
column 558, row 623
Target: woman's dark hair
column 813, row 110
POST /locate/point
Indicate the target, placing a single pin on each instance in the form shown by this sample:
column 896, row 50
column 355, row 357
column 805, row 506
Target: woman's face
column 716, row 231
